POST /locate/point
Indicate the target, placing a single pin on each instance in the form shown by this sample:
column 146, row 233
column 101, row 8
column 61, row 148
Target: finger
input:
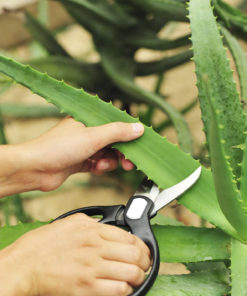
column 106, row 164
column 108, row 161
column 126, row 164
column 126, row 253
column 112, row 233
column 120, row 271
column 111, row 288
column 104, row 135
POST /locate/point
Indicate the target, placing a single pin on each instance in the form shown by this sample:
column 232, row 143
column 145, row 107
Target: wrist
column 15, row 278
column 17, row 174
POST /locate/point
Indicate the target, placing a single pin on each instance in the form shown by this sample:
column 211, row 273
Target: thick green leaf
column 195, row 284
column 232, row 17
column 243, row 182
column 44, row 37
column 167, row 122
column 88, row 75
column 210, row 58
column 238, row 268
column 206, row 266
column 121, row 70
column 177, row 243
column 172, row 9
column 96, row 26
column 239, row 56
column 149, row 40
column 9, row 234
column 227, row 192
column 211, row 62
column 163, row 220
column 149, row 68
column 158, row 153
column 27, row 111
column 191, row 244
column 108, row 11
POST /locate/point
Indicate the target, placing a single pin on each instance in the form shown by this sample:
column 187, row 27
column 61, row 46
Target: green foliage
column 119, row 29
column 238, row 268
column 151, row 147
column 195, row 284
column 240, row 61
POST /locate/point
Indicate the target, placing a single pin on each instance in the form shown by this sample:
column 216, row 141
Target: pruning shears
column 136, row 215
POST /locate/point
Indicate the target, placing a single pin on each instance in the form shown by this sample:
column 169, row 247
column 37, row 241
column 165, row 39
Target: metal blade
column 148, row 188
column 168, row 195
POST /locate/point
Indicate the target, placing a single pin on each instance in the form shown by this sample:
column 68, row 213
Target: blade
column 169, row 194
column 148, row 188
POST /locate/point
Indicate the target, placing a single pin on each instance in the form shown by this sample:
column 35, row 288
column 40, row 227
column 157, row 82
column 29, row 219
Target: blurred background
column 25, row 115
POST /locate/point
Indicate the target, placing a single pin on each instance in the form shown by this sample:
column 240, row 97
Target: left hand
column 45, row 162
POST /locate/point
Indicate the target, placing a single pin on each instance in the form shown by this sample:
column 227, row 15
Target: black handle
column 139, row 225
column 108, row 213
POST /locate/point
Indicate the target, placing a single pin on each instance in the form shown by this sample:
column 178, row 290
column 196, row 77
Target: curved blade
column 169, row 194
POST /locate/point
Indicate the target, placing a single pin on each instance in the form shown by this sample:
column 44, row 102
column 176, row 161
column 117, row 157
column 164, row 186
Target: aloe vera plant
column 216, row 258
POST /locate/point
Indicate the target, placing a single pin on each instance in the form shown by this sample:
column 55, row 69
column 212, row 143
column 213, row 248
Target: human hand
column 74, row 256
column 45, row 162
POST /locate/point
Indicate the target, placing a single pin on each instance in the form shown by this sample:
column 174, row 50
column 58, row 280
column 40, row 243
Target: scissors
column 136, row 215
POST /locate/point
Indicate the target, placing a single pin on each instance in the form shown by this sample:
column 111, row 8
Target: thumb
column 104, row 135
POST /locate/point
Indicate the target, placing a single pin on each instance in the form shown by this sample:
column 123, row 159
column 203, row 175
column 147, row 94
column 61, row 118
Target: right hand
column 74, row 256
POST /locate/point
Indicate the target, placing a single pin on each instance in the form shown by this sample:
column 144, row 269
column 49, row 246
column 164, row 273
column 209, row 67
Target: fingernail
column 137, row 128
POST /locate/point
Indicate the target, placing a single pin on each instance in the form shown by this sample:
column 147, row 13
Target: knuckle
column 122, row 289
column 121, row 127
column 132, row 239
column 137, row 255
column 137, row 275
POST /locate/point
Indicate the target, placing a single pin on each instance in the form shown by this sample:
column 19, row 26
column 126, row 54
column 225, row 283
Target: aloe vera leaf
column 44, row 37
column 240, row 59
column 88, row 75
column 94, row 25
column 163, row 220
column 171, row 9
column 194, row 284
column 9, row 234
column 120, row 70
column 231, row 16
column 238, row 268
column 110, row 12
column 191, row 244
column 206, row 266
column 149, row 40
column 243, row 183
column 211, row 62
column 177, row 243
column 227, row 192
column 149, row 68
column 166, row 123
column 158, row 153
column 26, row 111
column 146, row 117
